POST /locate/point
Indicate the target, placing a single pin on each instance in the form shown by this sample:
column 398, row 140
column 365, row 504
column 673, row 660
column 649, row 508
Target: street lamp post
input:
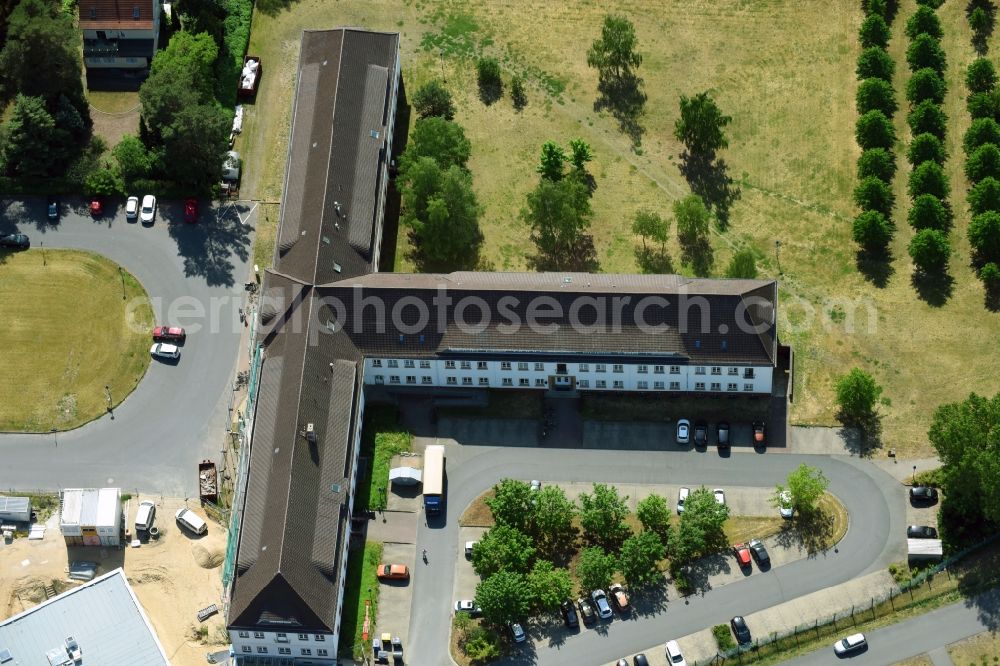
column 913, row 481
column 777, row 253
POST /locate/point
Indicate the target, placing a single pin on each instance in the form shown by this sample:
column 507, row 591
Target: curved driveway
column 177, row 415
column 874, row 501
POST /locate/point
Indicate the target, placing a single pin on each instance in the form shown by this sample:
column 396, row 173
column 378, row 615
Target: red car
column 742, row 553
column 168, row 333
column 191, row 210
column 96, row 207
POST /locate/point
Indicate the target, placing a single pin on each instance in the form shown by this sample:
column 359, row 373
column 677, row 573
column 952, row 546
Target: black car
column 723, row 433
column 586, row 611
column 640, row 660
column 921, row 532
column 923, row 494
column 700, row 433
column 759, row 552
column 740, row 630
column 569, row 614
column 16, row 241
column 53, row 209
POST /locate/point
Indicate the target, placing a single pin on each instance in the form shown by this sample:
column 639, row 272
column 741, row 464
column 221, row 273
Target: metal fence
column 908, row 593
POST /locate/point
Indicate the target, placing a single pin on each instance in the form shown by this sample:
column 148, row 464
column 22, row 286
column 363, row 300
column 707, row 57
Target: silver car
column 683, row 431
column 852, row 643
column 601, row 602
column 165, row 350
column 148, row 210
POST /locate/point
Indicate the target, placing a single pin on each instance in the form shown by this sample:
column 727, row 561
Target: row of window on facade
column 541, row 382
column 524, row 366
column 304, row 652
column 283, row 638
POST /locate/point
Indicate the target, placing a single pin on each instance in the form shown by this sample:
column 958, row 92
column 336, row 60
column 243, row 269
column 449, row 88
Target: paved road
column 875, row 538
column 177, row 415
column 921, row 634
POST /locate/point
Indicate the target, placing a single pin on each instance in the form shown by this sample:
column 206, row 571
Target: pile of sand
column 207, row 559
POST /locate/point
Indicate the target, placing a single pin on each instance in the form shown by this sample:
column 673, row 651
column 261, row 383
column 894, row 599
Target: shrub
column 984, row 236
column 928, row 118
column 875, row 7
column 925, row 84
column 980, row 132
column 981, row 76
column 518, row 96
column 983, row 162
column 876, row 94
column 990, row 275
column 930, row 250
column 875, row 63
column 878, row 163
column 981, row 105
column 235, row 38
column 875, row 130
column 874, row 194
column 929, row 212
column 984, row 196
column 723, row 637
column 874, row 32
column 924, row 21
column 926, row 147
column 872, row 231
column 925, row 52
column 489, row 80
column 433, row 99
column 929, row 178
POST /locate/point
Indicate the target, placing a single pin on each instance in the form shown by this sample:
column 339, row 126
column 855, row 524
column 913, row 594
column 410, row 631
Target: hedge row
column 876, row 103
column 235, row 38
column 982, row 154
column 929, row 189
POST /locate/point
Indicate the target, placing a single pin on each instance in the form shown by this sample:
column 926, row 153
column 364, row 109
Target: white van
column 144, row 516
column 192, row 521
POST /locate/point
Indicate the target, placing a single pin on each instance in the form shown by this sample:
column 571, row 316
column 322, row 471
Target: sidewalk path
column 393, row 527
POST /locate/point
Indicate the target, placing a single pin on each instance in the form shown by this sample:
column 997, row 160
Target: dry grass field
column 979, row 650
column 784, row 70
column 66, row 334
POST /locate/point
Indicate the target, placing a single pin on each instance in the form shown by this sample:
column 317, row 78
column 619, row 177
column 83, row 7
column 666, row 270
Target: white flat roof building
column 100, row 622
column 91, row 516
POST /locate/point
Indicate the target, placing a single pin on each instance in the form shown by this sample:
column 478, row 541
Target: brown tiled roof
column 345, row 81
column 117, row 14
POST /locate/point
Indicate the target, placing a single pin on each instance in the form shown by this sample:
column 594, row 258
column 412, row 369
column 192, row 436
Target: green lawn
column 361, row 569
column 73, row 323
column 790, row 92
column 381, row 439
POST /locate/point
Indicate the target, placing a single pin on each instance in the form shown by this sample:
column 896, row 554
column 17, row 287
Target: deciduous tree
column 981, row 76
column 440, row 139
column 701, row 527
column 876, row 94
column 742, row 265
column 489, row 80
column 559, row 214
column 434, row 99
column 857, row 395
column 602, row 516
column 925, row 52
column 552, row 162
column 925, row 84
column 700, row 126
column 874, row 194
column 649, row 224
column 984, row 196
column 874, row 32
column 806, row 485
column 692, row 232
column 639, row 559
column 984, row 236
column 927, row 117
column 103, row 182
column 595, row 568
column 982, row 162
column 615, row 54
column 504, row 597
column 511, row 504
column 580, row 154
column 449, row 238
column 928, row 212
column 654, row 514
column 982, row 130
column 549, row 586
column 552, row 520
column 878, row 163
column 133, row 159
column 930, row 250
column 502, row 548
column 929, row 178
column 872, row 231
column 875, row 130
column 926, row 147
column 875, row 63
column 924, row 21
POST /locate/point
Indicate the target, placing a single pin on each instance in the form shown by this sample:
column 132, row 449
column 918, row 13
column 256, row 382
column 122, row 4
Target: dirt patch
column 207, row 559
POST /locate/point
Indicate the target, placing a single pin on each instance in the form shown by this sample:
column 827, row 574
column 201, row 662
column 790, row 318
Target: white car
column 683, row 431
column 467, row 606
column 785, row 505
column 148, row 210
column 536, row 485
column 682, row 496
column 601, row 603
column 674, row 655
column 468, row 548
column 850, row 644
column 720, row 496
column 191, row 521
column 165, row 350
column 132, row 208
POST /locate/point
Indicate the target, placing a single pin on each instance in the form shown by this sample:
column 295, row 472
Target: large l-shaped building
column 330, row 325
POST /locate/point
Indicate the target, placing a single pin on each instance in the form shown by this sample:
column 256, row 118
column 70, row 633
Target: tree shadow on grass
column 655, row 261
column 933, row 288
column 624, row 99
column 861, row 436
column 582, row 259
column 699, row 256
column 490, row 92
column 273, row 7
column 710, row 179
column 811, row 532
column 876, row 268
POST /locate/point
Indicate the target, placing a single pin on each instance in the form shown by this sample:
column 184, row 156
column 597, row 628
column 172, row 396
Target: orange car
column 393, row 572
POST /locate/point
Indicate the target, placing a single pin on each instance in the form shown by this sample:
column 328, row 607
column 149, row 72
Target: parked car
column 682, row 496
column 468, row 548
column 191, row 521
column 785, row 507
column 723, row 434
column 700, row 433
column 587, row 613
column 740, row 630
column 148, row 210
column 168, row 334
column 742, row 554
column 619, row 597
column 53, row 209
column 720, row 496
column 96, row 207
column 165, row 350
column 601, row 603
column 622, row 662
column 921, row 532
column 920, row 494
column 16, row 241
column 191, row 210
column 852, row 643
column 393, row 572
column 132, row 208
column 144, row 516
column 759, row 552
column 468, row 606
column 683, row 431
column 517, row 632
column 674, row 656
column 569, row 614
column 536, row 485
column 759, row 435
column 640, row 660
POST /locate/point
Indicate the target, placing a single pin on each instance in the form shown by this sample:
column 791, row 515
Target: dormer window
column 135, row 13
